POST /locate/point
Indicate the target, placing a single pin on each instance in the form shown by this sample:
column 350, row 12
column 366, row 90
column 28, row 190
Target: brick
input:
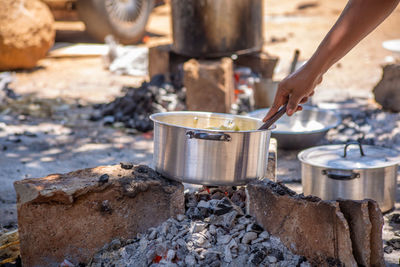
column 162, row 60
column 387, row 90
column 357, row 216
column 209, row 85
column 376, row 219
column 159, row 57
column 308, row 226
column 71, row 216
column 272, row 160
column 260, row 62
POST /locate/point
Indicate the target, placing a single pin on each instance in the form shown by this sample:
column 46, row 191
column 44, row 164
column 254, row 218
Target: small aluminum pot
column 351, row 171
column 187, row 150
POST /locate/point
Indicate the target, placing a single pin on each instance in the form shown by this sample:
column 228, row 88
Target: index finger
column 279, row 101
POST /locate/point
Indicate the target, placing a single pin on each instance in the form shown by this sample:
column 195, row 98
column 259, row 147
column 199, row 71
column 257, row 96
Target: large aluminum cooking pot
column 350, row 171
column 214, row 28
column 187, row 149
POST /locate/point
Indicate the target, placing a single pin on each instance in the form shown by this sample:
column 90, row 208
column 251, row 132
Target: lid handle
column 353, row 143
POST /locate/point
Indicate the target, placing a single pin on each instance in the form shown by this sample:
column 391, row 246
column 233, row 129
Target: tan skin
column 358, row 19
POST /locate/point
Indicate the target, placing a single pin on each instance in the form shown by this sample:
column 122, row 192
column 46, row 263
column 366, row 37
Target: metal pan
column 187, row 150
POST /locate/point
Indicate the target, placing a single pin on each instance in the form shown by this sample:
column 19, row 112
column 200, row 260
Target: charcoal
column 196, row 239
column 395, row 218
column 394, row 243
column 126, row 165
column 134, row 108
column 258, row 256
column 388, row 249
column 103, row 179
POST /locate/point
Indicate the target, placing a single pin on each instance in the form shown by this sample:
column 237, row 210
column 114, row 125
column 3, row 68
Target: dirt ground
column 66, row 140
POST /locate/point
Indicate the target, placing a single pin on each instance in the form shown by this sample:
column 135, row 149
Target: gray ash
column 134, row 108
column 214, row 231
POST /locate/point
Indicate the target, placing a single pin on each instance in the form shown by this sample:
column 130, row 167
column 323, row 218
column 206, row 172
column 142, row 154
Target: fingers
column 293, row 104
column 304, row 100
column 319, row 80
column 273, row 109
column 280, row 99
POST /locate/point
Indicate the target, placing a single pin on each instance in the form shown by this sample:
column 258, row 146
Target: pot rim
column 307, row 108
column 301, row 157
column 154, row 116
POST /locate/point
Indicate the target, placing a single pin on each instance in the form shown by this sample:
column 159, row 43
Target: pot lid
column 350, row 156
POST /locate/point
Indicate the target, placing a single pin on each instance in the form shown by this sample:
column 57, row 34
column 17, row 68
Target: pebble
column 103, row 179
column 126, row 165
column 190, row 260
column 394, row 243
column 203, row 204
column 249, row 236
column 212, row 229
column 225, row 239
column 227, row 254
column 271, row 259
column 197, row 227
column 153, row 234
column 255, row 241
column 388, row 249
column 264, row 235
column 171, row 254
column 180, row 217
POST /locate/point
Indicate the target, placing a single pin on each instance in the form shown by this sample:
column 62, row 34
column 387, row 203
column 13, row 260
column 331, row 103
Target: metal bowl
column 392, row 45
column 303, row 129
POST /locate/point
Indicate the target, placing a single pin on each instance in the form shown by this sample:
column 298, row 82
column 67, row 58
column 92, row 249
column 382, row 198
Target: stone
column 203, row 204
column 260, row 62
column 190, row 260
column 388, row 249
column 357, row 216
column 197, row 227
column 387, row 91
column 271, row 259
column 376, row 219
column 26, row 33
column 126, row 165
column 272, row 160
column 317, row 230
column 171, row 254
column 248, row 237
column 224, row 239
column 159, row 57
column 162, row 60
column 63, row 216
column 180, row 217
column 209, row 85
column 394, row 243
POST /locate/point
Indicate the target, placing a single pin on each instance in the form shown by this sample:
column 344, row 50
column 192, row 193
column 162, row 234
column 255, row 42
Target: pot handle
column 340, row 175
column 209, row 136
column 353, row 143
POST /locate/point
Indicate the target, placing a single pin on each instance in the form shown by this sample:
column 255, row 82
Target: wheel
column 125, row 19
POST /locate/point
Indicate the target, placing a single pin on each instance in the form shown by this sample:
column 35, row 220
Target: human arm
column 358, row 19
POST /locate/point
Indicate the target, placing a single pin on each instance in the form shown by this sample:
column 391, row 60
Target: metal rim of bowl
column 325, row 129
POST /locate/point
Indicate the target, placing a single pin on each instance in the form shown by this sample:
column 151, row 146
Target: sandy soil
column 67, row 141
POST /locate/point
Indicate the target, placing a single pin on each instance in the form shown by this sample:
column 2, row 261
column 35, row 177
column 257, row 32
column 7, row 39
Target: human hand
column 295, row 89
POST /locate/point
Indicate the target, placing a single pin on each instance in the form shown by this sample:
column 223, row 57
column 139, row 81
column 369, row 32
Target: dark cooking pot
column 214, row 28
